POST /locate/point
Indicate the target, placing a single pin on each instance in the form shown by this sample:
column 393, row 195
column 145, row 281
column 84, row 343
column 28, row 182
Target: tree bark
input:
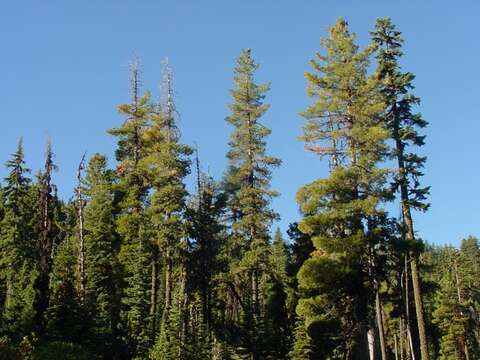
column 460, row 300
column 381, row 331
column 154, row 295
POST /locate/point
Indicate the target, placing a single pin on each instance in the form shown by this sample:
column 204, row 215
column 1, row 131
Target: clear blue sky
column 64, row 68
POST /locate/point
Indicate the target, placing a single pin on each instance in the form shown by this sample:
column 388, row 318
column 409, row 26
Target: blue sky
column 64, row 68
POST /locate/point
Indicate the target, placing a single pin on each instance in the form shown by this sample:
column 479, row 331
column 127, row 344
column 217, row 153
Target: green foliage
column 66, row 319
column 342, row 213
column 16, row 246
column 134, row 255
column 248, row 184
column 101, row 248
column 176, row 276
column 62, row 350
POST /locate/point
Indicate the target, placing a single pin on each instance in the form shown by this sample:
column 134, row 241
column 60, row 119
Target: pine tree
column 278, row 337
column 342, row 212
column 303, row 344
column 66, row 319
column 403, row 125
column 134, row 256
column 46, row 231
column 207, row 232
column 166, row 166
column 16, row 244
column 249, row 178
column 101, row 255
column 451, row 314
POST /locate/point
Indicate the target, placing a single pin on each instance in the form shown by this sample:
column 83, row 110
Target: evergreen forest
column 135, row 264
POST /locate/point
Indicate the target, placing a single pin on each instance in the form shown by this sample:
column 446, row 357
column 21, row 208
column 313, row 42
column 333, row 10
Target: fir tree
column 67, row 321
column 205, row 215
column 451, row 314
column 403, row 125
column 46, row 231
column 134, row 256
column 249, row 178
column 16, row 244
column 101, row 255
column 166, row 166
column 342, row 212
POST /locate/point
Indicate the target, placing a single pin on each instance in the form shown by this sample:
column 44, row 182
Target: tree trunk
column 381, row 331
column 154, row 295
column 417, row 294
column 168, row 286
column 82, row 277
column 460, row 300
column 371, row 344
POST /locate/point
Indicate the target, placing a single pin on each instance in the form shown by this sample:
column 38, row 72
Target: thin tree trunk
column 402, row 339
column 410, row 348
column 168, row 287
column 371, row 344
column 381, row 331
column 81, row 234
column 154, row 295
column 182, row 307
column 460, row 300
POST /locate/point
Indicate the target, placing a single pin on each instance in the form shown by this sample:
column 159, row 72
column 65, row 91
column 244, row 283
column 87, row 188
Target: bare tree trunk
column 381, row 331
column 154, row 295
column 460, row 300
column 402, row 339
column 80, row 204
column 168, row 287
column 417, row 294
column 183, row 306
column 371, row 344
column 406, row 301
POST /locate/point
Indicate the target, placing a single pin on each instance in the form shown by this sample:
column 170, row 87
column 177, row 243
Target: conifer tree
column 166, row 166
column 468, row 271
column 16, row 245
column 249, row 179
column 452, row 314
column 207, row 232
column 303, row 348
column 342, row 212
column 45, row 231
column 66, row 319
column 101, row 255
column 276, row 316
column 403, row 125
column 134, row 255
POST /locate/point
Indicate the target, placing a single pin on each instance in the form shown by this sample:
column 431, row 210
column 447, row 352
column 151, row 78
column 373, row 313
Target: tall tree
column 134, row 255
column 167, row 165
column 342, row 212
column 102, row 293
column 205, row 215
column 16, row 245
column 79, row 205
column 249, row 178
column 403, row 124
column 46, row 230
